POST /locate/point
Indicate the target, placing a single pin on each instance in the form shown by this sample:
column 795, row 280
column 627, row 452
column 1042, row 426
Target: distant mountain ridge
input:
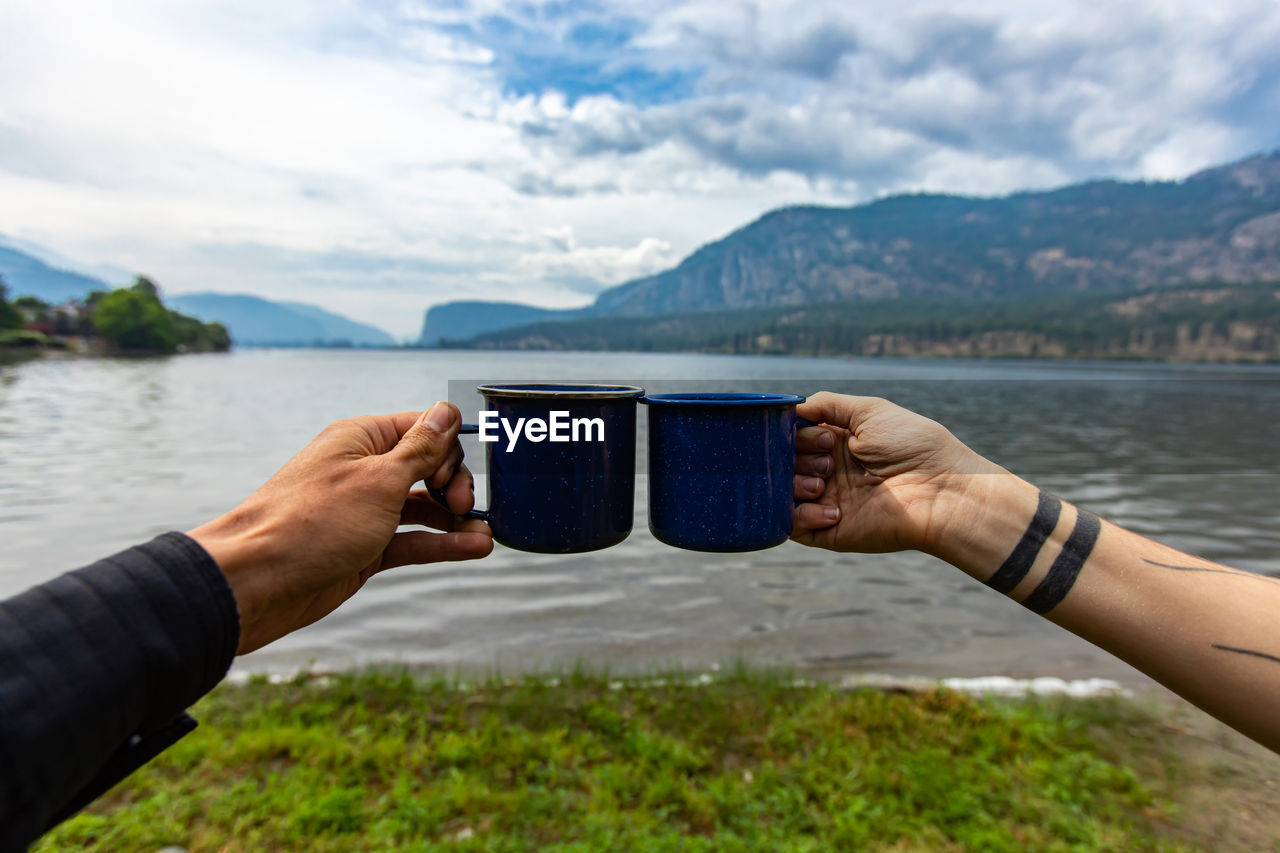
column 112, row 275
column 1210, row 322
column 1221, row 224
column 254, row 321
column 27, row 275
column 461, row 320
column 251, row 320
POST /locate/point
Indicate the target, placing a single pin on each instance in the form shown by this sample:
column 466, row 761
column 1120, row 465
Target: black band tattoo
column 1014, row 569
column 1062, row 575
column 1263, row 655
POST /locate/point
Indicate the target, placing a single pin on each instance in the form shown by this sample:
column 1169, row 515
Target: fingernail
column 832, row 513
column 826, row 441
column 822, row 464
column 439, row 416
column 812, row 484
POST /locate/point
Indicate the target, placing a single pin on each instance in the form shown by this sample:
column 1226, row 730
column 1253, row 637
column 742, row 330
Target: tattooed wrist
column 1066, row 567
column 1062, row 575
column 1018, row 564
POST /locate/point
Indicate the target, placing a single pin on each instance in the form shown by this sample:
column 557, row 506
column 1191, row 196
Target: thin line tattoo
column 1263, row 655
column 1015, row 568
column 1226, row 571
column 1066, row 568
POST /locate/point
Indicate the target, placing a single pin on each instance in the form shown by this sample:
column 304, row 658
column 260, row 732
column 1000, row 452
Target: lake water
column 96, row 455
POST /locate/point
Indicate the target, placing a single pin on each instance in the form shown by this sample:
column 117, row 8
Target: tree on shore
column 200, row 336
column 10, row 317
column 133, row 318
column 145, row 286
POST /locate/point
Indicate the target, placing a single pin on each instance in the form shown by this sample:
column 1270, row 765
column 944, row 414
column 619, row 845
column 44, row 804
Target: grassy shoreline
column 751, row 760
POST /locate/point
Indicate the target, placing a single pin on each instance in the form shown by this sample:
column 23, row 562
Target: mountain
column 338, row 327
column 254, row 321
column 462, row 320
column 112, row 275
column 27, row 275
column 1210, row 322
column 250, row 319
column 1222, row 224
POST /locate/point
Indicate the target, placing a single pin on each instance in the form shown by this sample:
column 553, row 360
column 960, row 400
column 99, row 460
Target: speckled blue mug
column 722, row 469
column 561, row 497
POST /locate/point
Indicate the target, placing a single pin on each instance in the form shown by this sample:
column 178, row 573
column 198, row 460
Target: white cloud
column 376, row 158
column 608, row 265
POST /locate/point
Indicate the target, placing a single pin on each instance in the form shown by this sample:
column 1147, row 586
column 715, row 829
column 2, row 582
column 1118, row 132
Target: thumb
column 840, row 410
column 427, row 444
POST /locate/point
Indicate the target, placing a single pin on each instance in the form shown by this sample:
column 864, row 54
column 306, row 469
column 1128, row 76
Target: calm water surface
column 96, row 455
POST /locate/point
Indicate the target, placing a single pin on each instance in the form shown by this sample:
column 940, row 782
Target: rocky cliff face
column 1221, row 224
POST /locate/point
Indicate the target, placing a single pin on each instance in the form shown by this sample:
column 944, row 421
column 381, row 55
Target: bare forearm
column 1206, row 631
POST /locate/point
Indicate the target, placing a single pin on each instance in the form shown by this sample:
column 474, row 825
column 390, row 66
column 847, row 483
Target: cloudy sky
column 381, row 156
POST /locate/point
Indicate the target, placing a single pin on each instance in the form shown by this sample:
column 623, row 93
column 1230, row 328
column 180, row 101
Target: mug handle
column 437, row 495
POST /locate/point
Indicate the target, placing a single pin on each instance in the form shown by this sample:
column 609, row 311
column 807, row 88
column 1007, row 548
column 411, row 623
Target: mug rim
column 535, row 390
column 722, row 398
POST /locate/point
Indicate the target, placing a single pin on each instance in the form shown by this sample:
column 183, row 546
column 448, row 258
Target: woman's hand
column 326, row 522
column 894, row 479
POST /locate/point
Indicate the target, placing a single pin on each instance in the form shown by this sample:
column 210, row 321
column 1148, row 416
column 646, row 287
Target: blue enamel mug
column 561, row 462
column 722, row 469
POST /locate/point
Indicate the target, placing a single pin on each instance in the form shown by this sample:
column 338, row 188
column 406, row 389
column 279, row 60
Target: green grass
column 753, row 761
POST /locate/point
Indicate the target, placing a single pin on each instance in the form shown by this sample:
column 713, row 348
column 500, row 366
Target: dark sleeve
column 96, row 669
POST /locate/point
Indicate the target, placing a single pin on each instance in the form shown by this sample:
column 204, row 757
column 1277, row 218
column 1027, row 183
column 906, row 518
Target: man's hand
column 892, row 477
column 326, row 522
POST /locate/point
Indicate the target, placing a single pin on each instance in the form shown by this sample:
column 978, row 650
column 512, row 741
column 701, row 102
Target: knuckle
column 937, row 432
column 424, row 442
column 340, row 425
column 822, row 397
